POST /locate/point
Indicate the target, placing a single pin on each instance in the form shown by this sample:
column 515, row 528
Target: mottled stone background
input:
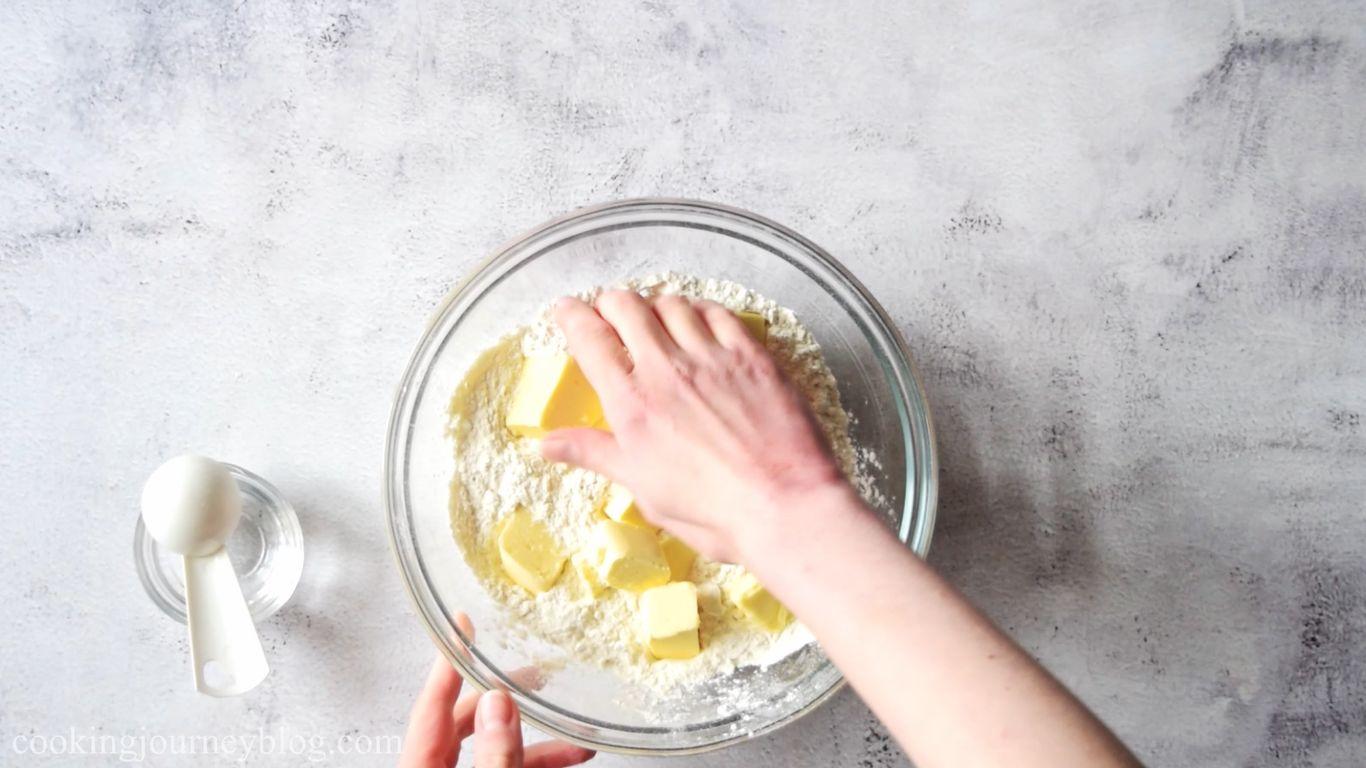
column 1126, row 242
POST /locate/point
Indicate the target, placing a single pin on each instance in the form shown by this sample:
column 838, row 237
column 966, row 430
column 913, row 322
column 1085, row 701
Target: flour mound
column 496, row 472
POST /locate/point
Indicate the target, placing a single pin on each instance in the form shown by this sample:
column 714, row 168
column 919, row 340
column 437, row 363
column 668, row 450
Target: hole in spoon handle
column 227, row 654
column 216, row 676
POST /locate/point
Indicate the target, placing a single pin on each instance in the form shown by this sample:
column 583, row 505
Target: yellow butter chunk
column 670, row 614
column 621, row 506
column 755, row 323
column 552, row 393
column 629, row 557
column 529, row 553
column 757, row 603
column 585, row 568
column 680, row 556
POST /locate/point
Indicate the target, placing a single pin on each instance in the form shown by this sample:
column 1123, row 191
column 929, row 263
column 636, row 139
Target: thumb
column 592, row 449
column 497, row 732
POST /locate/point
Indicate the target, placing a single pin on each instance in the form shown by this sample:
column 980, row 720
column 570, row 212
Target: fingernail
column 495, row 710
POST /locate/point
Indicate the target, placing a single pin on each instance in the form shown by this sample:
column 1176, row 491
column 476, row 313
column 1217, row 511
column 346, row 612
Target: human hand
column 441, row 719
column 707, row 433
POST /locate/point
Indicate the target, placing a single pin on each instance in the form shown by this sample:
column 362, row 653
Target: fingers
column 725, row 326
column 462, row 715
column 684, row 325
column 593, row 344
column 497, row 732
column 429, row 740
column 528, row 678
column 591, row 449
column 439, row 692
column 466, row 627
column 555, row 754
column 636, row 325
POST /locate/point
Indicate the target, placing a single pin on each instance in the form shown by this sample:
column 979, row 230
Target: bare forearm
column 703, row 425
column 953, row 689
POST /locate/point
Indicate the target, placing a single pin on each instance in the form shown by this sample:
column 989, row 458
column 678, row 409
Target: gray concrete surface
column 1125, row 240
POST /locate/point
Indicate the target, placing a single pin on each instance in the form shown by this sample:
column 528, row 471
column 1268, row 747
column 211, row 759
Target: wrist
column 795, row 521
column 825, row 555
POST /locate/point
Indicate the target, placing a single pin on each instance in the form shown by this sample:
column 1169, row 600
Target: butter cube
column 758, row 605
column 629, row 557
column 529, row 554
column 552, row 393
column 621, row 506
column 671, row 620
column 756, row 323
column 585, row 568
column 680, row 556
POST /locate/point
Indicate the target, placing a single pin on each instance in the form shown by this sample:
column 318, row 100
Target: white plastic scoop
column 191, row 505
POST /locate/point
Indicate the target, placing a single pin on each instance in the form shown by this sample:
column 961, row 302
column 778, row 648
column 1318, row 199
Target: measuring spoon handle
column 224, row 647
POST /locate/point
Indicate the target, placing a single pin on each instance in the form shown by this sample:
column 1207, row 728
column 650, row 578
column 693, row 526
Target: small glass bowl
column 266, row 550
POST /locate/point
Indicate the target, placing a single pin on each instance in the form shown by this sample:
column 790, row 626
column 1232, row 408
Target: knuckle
column 735, row 361
column 745, row 364
column 763, row 368
column 684, row 370
column 632, row 421
column 753, row 363
column 628, row 411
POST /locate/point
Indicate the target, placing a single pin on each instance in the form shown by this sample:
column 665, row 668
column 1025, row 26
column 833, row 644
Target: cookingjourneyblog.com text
column 146, row 745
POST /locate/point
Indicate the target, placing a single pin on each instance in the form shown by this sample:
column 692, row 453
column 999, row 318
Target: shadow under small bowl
column 602, row 246
column 266, row 550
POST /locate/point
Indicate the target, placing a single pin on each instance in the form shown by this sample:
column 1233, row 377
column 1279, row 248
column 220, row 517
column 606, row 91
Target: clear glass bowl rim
column 917, row 515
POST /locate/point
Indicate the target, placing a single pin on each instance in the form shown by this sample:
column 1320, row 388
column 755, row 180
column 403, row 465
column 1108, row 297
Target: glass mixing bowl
column 599, row 246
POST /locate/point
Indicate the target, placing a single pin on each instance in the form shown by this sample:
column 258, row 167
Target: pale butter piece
column 671, row 620
column 529, row 553
column 587, row 571
column 755, row 323
column 629, row 557
column 757, row 603
column 552, row 393
column 620, row 505
column 680, row 556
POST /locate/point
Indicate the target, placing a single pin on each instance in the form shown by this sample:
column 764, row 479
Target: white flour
column 495, row 473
